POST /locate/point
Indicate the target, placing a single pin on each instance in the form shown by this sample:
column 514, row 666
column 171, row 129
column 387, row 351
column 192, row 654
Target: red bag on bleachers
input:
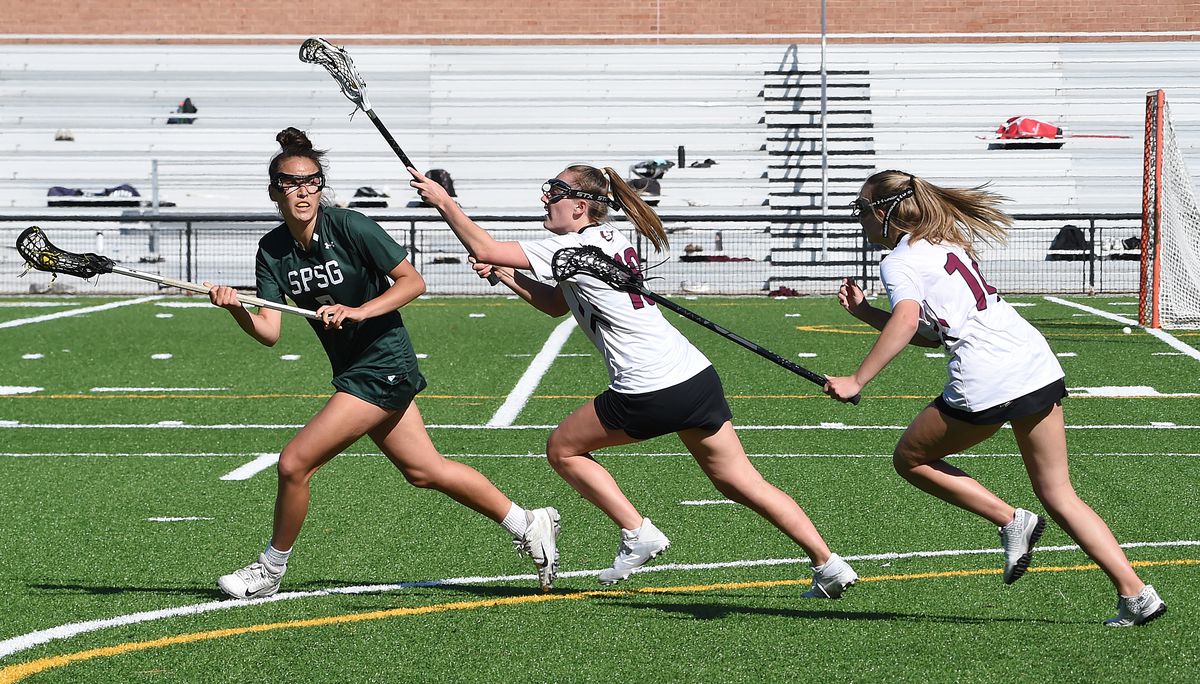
column 1023, row 127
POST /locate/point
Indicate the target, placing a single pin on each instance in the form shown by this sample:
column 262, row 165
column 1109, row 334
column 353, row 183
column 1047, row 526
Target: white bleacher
column 501, row 120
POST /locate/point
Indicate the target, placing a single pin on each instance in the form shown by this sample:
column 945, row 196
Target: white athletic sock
column 514, row 522
column 277, row 558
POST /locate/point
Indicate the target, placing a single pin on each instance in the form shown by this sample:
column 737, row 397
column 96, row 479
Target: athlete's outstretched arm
column 543, row 297
column 852, row 299
column 478, row 241
column 896, row 334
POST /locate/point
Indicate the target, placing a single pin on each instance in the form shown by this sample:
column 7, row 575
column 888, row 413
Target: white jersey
column 995, row 355
column 642, row 350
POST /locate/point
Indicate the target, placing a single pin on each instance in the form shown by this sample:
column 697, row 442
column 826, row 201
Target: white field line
column 1171, row 340
column 159, row 389
column 76, row 312
column 621, row 454
column 541, row 363
column 244, row 472
column 27, row 641
column 707, row 502
column 180, row 425
column 184, row 518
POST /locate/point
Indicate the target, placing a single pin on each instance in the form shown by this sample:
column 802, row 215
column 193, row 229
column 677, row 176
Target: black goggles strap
column 895, row 202
column 564, row 190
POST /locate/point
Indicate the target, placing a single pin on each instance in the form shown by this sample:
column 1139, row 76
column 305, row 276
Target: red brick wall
column 553, row 17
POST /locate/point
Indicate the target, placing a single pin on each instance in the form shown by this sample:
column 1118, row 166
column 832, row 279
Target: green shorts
column 393, row 392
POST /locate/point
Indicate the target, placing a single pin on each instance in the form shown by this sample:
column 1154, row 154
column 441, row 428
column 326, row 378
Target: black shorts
column 392, row 391
column 1026, row 405
column 698, row 402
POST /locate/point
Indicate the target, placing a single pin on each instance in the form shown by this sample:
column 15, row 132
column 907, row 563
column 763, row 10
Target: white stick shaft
column 194, row 287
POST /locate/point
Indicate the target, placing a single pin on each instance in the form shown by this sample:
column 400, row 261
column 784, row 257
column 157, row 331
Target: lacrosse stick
column 40, row 254
column 592, row 261
column 339, row 65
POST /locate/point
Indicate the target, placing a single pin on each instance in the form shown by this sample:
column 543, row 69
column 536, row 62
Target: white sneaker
column 636, row 548
column 1017, row 539
column 1137, row 610
column 831, row 579
column 253, row 581
column 540, row 542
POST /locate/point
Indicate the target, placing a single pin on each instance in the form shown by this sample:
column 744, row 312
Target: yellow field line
column 15, row 673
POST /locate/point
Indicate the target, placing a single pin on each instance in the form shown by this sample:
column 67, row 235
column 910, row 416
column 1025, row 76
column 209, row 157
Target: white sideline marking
column 1167, row 354
column 164, row 315
column 1066, row 355
column 32, row 357
column 34, row 305
column 180, row 425
column 1171, row 340
column 160, row 357
column 27, row 641
column 185, row 305
column 186, row 518
column 622, row 454
column 706, row 502
column 520, row 394
column 13, row 389
column 159, row 389
column 76, row 312
column 1133, row 391
column 935, row 355
column 290, row 357
column 477, row 315
column 249, row 470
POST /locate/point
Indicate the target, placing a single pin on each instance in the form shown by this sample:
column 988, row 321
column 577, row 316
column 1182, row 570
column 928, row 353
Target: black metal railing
column 710, row 254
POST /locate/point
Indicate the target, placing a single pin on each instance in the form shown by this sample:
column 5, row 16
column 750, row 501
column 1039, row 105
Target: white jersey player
column 659, row 382
column 1001, row 370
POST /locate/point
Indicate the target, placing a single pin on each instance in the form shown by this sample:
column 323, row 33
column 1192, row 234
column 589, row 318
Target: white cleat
column 256, row 580
column 540, row 543
column 1017, row 539
column 1138, row 610
column 636, row 548
column 831, row 579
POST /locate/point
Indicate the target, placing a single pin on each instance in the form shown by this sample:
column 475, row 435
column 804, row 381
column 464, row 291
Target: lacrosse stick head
column 591, row 260
column 40, row 254
column 339, row 65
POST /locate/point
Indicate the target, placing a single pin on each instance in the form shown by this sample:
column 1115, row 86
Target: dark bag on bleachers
column 1069, row 245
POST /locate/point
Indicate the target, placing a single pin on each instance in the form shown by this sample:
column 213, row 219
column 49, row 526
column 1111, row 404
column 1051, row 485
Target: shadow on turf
column 200, row 592
column 717, row 611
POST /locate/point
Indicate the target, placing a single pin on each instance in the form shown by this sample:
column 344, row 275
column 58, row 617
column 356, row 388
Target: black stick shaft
column 815, row 378
column 493, row 279
column 388, row 137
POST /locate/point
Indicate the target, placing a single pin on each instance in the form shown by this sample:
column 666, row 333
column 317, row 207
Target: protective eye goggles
column 288, row 183
column 557, row 189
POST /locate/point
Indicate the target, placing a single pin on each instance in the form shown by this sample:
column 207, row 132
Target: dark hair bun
column 291, row 138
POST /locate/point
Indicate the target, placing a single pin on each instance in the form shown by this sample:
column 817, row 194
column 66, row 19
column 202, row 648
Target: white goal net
column 1170, row 272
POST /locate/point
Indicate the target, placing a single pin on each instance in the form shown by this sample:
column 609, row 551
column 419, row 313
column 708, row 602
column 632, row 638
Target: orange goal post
column 1169, row 294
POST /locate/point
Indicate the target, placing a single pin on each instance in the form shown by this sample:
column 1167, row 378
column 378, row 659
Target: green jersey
column 347, row 263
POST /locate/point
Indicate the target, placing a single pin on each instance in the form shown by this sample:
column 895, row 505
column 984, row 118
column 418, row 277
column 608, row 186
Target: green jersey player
column 345, row 266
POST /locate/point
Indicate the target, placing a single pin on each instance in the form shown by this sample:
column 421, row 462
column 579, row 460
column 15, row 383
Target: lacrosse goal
column 1169, row 295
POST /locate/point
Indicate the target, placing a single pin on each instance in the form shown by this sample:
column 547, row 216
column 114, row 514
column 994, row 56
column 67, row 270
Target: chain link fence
column 718, row 255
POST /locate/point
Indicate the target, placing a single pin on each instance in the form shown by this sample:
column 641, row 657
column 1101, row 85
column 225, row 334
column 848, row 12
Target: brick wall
column 304, row 17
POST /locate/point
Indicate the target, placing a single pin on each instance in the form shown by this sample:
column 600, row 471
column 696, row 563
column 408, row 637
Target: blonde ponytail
column 959, row 216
